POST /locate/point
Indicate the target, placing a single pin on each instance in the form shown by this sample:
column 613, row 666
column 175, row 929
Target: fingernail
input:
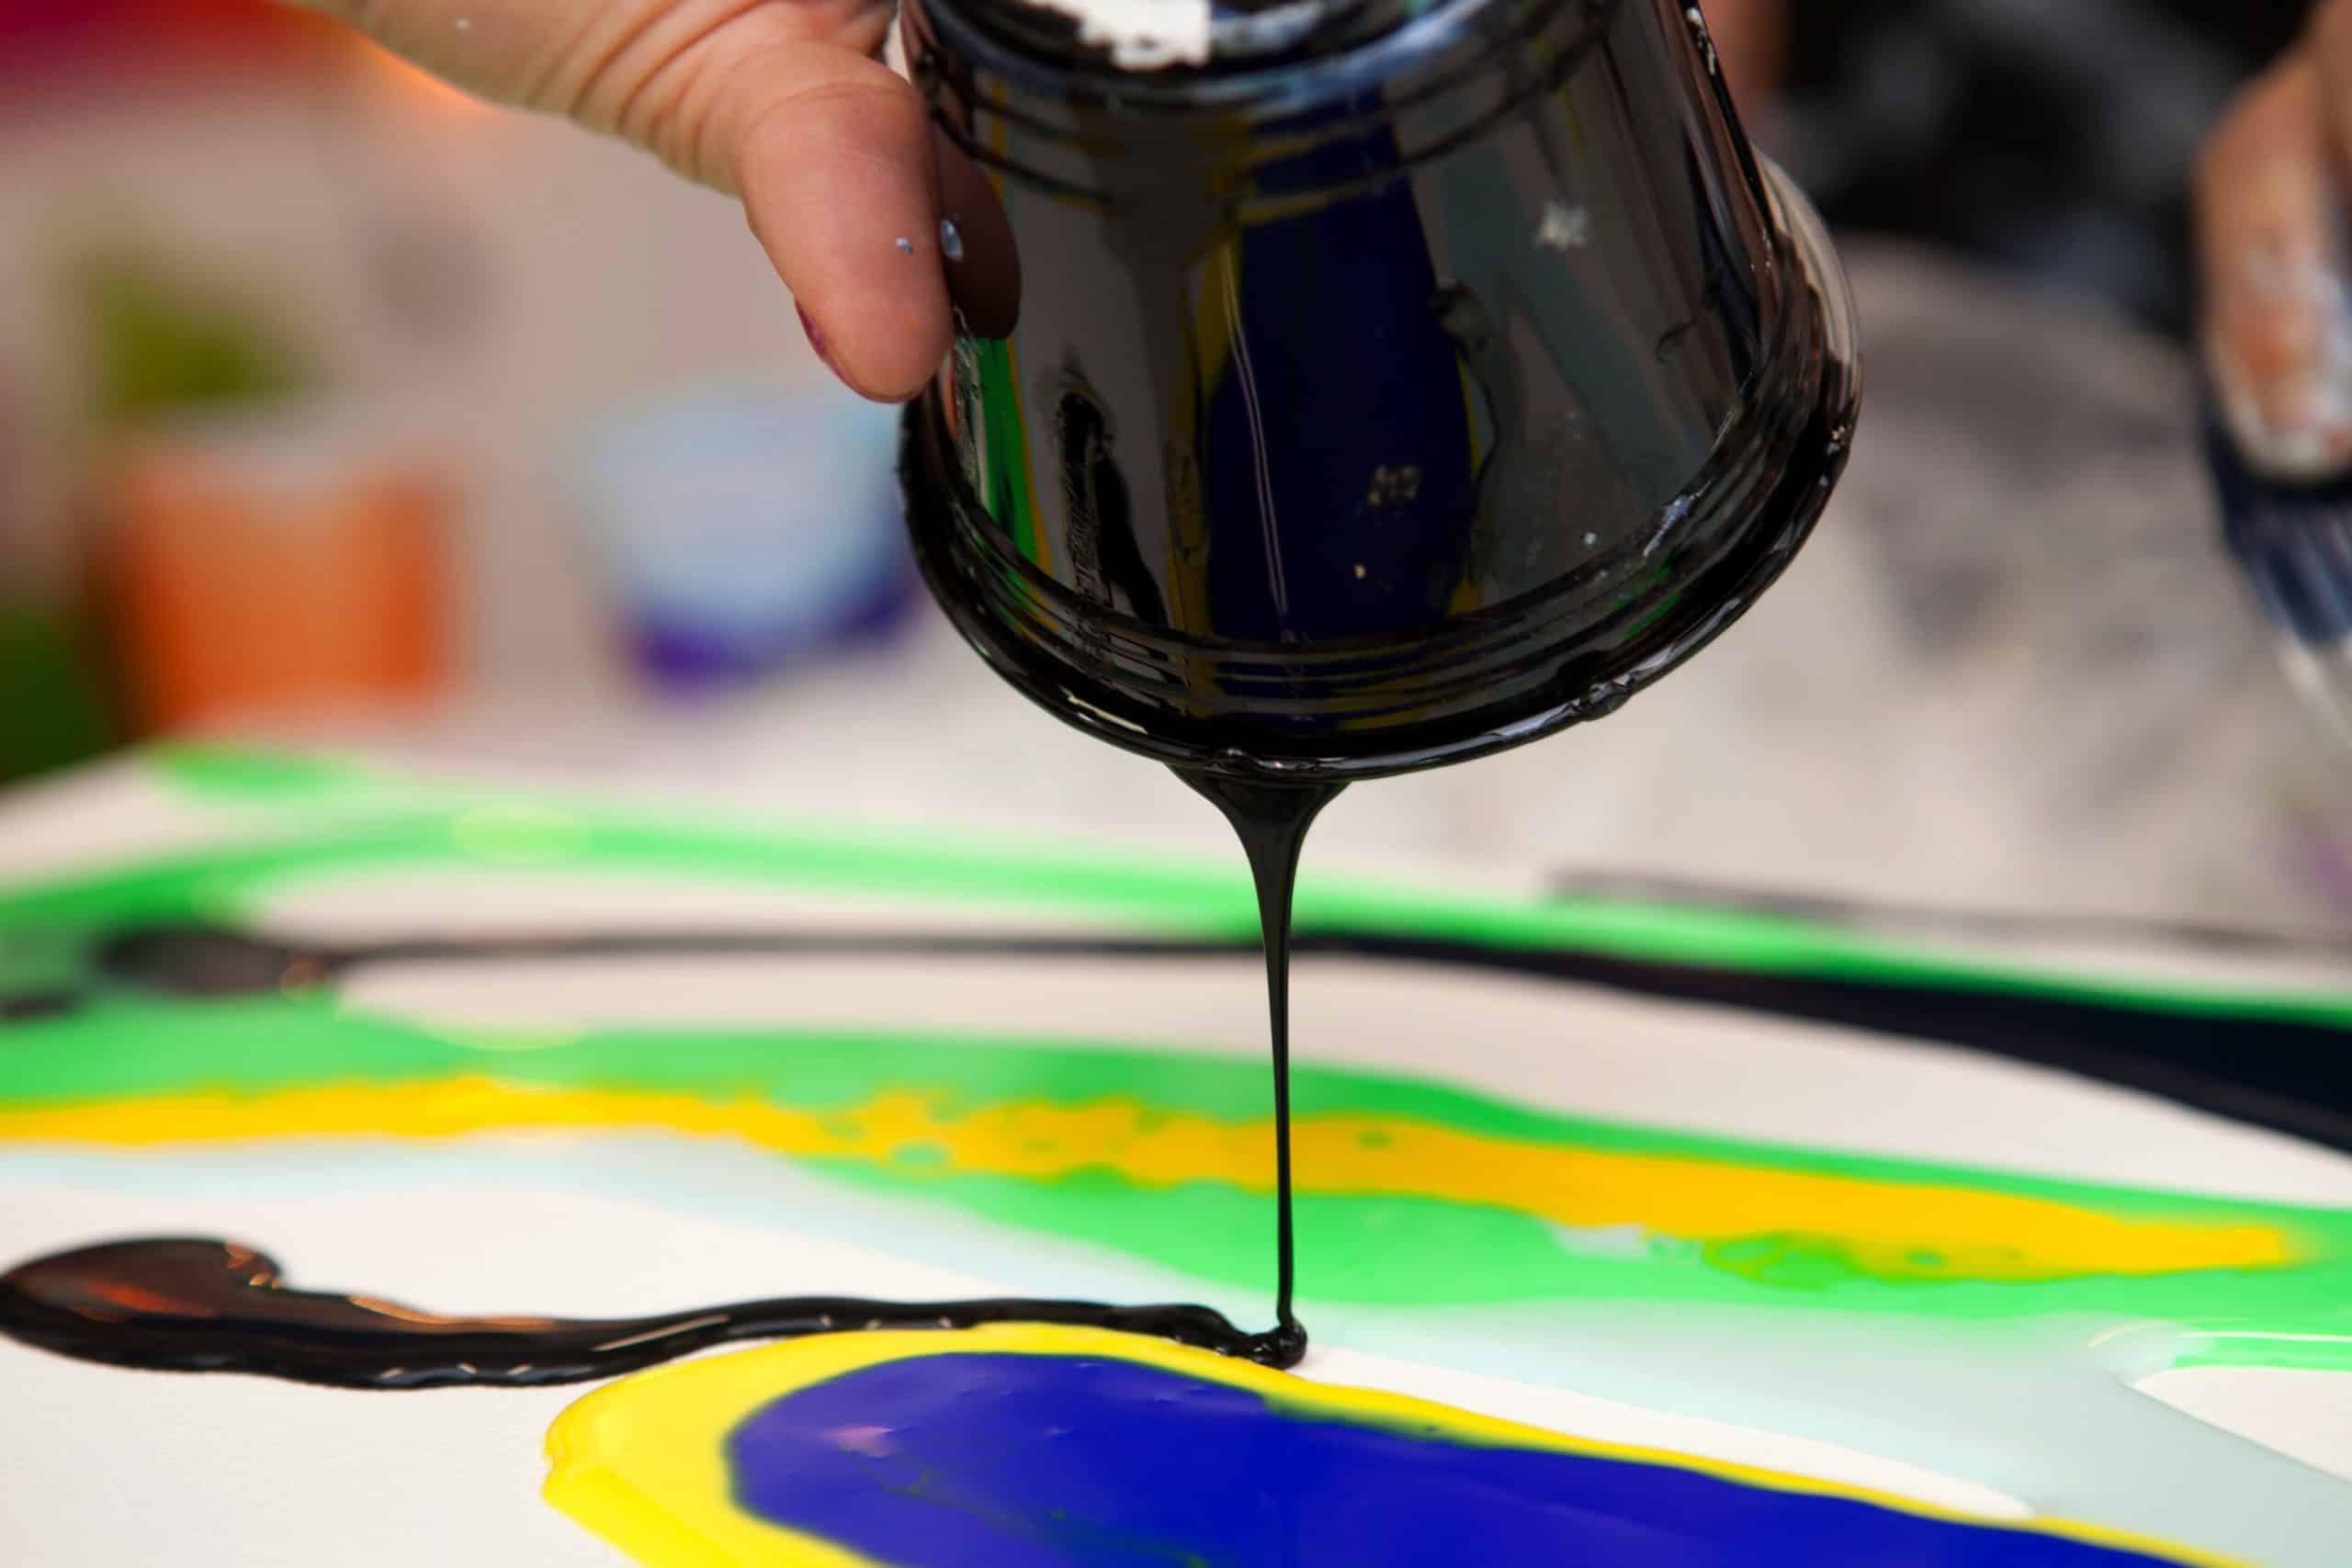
column 2280, row 353
column 816, row 342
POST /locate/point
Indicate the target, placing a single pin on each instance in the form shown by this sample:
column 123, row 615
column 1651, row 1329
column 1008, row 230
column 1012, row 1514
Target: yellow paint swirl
column 1888, row 1230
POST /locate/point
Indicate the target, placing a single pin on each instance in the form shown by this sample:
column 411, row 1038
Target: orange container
column 265, row 576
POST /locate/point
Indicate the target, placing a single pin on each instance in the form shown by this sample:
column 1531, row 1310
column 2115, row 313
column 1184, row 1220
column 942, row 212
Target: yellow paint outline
column 656, row 1485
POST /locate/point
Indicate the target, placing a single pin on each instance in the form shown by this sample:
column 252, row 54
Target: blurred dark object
column 2052, row 138
column 52, row 711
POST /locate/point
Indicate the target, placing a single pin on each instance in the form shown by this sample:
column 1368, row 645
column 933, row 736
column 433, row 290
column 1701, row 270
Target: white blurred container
column 744, row 526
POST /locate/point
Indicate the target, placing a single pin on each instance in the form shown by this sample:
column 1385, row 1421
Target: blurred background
column 336, row 405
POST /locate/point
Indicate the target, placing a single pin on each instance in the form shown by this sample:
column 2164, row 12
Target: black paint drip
column 1272, row 820
column 197, row 1304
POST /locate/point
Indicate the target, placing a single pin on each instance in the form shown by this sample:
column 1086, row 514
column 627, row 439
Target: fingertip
column 837, row 183
column 885, row 353
column 2261, row 206
column 901, row 359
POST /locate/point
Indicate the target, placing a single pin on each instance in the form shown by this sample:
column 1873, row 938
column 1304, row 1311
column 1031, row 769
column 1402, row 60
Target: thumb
column 831, row 153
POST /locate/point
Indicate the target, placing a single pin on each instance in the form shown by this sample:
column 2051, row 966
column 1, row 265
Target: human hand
column 786, row 105
column 2272, row 244
column 783, row 103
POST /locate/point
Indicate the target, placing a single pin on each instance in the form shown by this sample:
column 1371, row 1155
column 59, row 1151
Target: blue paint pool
column 1055, row 1461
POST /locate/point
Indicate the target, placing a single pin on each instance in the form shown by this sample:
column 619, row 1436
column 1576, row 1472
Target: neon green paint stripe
column 1369, row 1247
column 134, row 1047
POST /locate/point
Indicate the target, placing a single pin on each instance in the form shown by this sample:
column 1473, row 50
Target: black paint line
column 195, row 1305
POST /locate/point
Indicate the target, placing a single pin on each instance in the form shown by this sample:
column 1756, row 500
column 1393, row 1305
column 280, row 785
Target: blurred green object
column 155, row 342
column 158, row 346
column 53, row 713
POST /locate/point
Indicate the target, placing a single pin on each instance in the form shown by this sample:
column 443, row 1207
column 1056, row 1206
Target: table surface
column 1727, row 1155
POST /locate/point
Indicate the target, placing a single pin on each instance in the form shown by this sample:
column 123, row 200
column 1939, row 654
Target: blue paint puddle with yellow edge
column 1024, row 1447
